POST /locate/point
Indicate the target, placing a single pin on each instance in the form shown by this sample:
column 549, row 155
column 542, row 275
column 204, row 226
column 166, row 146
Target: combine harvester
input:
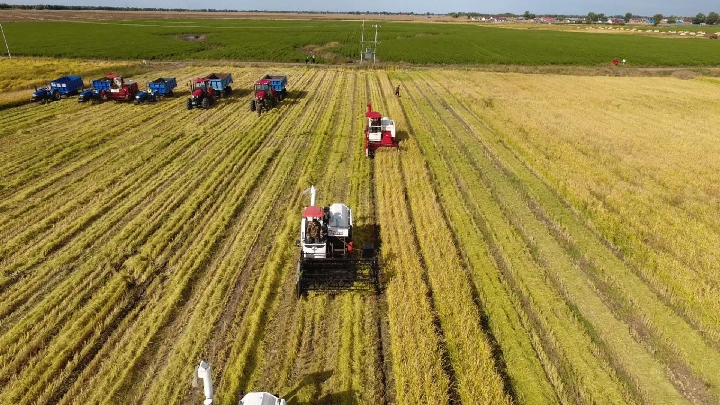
column 269, row 91
column 379, row 132
column 157, row 89
column 327, row 249
column 61, row 87
column 114, row 87
column 205, row 91
column 203, row 372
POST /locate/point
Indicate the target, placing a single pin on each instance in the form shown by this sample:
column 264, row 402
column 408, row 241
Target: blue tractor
column 89, row 95
column 62, row 87
column 158, row 88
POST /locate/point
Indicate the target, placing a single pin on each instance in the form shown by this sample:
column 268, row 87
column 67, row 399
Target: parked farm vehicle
column 157, row 89
column 203, row 371
column 89, row 95
column 328, row 261
column 205, row 91
column 269, row 91
column 61, row 87
column 114, row 87
column 379, row 132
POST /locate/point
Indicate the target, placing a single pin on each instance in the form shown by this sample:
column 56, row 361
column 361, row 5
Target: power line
column 5, row 39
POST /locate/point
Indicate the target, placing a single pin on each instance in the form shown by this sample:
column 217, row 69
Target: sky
column 582, row 7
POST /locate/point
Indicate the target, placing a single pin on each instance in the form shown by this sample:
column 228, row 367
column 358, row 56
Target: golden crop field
column 544, row 239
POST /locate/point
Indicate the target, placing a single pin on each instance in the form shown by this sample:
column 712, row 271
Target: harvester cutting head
column 379, row 132
column 328, row 261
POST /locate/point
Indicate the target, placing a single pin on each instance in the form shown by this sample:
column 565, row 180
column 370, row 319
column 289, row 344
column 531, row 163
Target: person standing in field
column 313, row 59
column 397, row 90
column 307, row 59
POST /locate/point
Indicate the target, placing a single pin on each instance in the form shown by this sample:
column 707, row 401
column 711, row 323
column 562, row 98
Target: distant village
column 582, row 20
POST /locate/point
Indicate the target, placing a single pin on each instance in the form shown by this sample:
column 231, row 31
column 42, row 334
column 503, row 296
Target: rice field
column 543, row 239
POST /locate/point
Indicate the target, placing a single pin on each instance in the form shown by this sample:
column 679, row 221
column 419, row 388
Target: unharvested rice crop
column 543, row 239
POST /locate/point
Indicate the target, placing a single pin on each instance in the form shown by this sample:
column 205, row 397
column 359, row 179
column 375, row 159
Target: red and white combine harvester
column 203, row 372
column 379, row 132
column 328, row 260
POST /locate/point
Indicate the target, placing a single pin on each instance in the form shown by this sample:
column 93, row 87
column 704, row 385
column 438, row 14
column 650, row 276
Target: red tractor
column 269, row 91
column 206, row 90
column 379, row 132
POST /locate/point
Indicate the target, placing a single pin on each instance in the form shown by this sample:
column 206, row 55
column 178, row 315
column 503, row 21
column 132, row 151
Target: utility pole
column 5, row 39
column 365, row 51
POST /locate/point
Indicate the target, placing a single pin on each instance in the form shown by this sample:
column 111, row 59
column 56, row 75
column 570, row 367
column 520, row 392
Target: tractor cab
column 263, row 87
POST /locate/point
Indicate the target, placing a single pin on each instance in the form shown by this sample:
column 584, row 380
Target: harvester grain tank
column 204, row 371
column 269, row 90
column 205, row 91
column 115, row 87
column 328, row 258
column 61, row 87
column 379, row 132
column 157, row 89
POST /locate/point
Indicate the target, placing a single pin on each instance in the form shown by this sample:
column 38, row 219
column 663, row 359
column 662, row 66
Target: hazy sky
column 643, row 7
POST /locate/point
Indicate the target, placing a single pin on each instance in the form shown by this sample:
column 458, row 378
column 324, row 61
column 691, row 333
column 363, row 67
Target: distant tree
column 657, row 18
column 672, row 20
column 699, row 18
column 592, row 17
column 712, row 18
column 601, row 17
column 628, row 17
column 528, row 15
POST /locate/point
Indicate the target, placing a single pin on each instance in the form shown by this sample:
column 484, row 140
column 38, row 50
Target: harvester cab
column 328, row 261
column 203, row 372
column 379, row 132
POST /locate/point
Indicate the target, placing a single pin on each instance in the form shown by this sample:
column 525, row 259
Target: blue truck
column 156, row 89
column 269, row 91
column 205, row 91
column 61, row 87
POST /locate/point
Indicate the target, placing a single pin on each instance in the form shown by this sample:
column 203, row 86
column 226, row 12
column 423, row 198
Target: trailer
column 157, row 89
column 115, row 87
column 206, row 90
column 269, row 90
column 61, row 87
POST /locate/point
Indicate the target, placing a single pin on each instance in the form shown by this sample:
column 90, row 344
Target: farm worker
column 397, row 91
column 313, row 230
column 615, row 62
column 307, row 59
column 623, row 61
column 313, row 58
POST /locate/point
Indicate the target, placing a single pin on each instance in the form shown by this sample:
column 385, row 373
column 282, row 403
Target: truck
column 156, row 89
column 269, row 91
column 205, row 91
column 114, row 87
column 61, row 87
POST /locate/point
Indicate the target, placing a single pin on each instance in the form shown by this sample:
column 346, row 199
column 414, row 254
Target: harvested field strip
column 269, row 148
column 623, row 292
column 517, row 348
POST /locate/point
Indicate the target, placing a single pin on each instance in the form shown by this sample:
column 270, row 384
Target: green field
column 338, row 42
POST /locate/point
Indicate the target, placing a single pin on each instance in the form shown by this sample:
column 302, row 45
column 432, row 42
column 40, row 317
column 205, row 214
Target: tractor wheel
column 56, row 95
column 205, row 103
column 252, row 105
column 284, row 93
column 170, row 94
column 228, row 91
column 103, row 96
column 188, row 104
column 136, row 102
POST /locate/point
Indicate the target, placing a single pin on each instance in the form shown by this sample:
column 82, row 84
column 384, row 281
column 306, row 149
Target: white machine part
column 388, row 125
column 261, row 398
column 340, row 221
column 203, row 371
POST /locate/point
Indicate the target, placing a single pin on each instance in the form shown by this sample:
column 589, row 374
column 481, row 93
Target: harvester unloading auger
column 328, row 258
